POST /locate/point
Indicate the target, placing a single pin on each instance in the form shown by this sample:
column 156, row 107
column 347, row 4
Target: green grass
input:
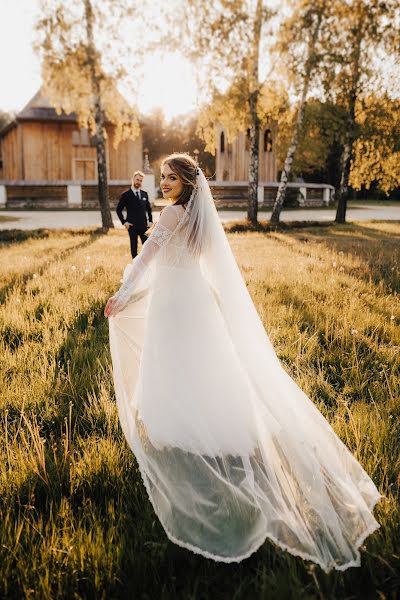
column 75, row 519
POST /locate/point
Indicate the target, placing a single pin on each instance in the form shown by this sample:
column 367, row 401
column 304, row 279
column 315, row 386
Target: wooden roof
column 39, row 108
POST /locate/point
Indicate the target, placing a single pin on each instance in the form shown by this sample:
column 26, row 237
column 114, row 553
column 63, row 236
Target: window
column 267, row 140
column 76, row 138
column 81, row 138
column 84, row 137
column 247, row 142
column 222, row 142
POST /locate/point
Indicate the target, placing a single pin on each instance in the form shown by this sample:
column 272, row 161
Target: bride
column 230, row 449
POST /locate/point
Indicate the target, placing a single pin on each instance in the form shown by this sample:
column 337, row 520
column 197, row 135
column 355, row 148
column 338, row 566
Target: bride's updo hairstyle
column 185, row 167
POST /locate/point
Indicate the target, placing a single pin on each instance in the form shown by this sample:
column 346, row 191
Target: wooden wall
column 43, row 151
column 55, row 196
column 126, row 159
column 233, row 163
column 11, row 155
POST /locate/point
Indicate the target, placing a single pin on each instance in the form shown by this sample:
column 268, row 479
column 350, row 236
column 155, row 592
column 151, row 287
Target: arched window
column 247, row 142
column 267, row 140
column 222, row 142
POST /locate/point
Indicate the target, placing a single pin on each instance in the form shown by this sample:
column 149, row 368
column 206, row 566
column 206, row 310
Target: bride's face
column 171, row 184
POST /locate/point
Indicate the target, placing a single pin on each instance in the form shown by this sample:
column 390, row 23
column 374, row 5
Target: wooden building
column 230, row 187
column 42, row 153
column 232, row 159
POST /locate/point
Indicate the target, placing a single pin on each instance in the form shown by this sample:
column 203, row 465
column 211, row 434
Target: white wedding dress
column 231, row 451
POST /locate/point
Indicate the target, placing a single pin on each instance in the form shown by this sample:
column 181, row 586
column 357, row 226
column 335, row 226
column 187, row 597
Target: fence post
column 74, row 196
column 3, row 196
column 260, row 195
column 326, row 196
column 302, row 197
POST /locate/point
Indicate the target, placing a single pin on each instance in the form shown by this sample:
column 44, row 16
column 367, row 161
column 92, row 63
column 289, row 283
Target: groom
column 136, row 202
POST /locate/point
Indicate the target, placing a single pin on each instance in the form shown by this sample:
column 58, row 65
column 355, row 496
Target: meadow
column 75, row 519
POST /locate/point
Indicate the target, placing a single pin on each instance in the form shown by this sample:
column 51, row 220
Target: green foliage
column 376, row 156
column 76, row 521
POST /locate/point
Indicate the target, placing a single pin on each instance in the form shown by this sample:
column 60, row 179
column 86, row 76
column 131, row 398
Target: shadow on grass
column 28, row 276
column 16, row 236
column 147, row 564
column 266, row 226
column 378, row 250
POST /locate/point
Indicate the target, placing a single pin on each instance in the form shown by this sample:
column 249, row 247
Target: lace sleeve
column 159, row 237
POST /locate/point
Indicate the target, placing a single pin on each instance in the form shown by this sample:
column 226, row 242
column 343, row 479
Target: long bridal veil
column 231, row 451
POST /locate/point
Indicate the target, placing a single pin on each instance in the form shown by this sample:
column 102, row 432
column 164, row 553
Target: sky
column 169, row 81
column 20, row 67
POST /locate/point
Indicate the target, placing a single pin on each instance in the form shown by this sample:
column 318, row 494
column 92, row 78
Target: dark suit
column 136, row 210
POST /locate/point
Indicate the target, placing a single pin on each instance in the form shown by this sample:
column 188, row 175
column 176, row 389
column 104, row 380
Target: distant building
column 232, row 159
column 230, row 187
column 42, row 153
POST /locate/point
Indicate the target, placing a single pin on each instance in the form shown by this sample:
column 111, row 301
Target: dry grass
column 76, row 522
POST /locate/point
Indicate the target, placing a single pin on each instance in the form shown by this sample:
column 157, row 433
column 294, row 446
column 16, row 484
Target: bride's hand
column 109, row 310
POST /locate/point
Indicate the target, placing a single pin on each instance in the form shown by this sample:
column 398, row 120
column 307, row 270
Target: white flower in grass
column 334, row 263
column 341, row 269
column 73, row 268
column 392, row 317
column 354, row 331
column 17, row 301
column 35, row 276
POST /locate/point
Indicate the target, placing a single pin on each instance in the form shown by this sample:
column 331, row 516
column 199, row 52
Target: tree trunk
column 281, row 193
column 92, row 55
column 254, row 91
column 287, row 167
column 346, row 161
column 344, row 183
column 252, row 210
column 104, row 201
column 350, row 131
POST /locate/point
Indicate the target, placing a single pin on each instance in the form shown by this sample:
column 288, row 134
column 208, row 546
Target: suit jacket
column 135, row 209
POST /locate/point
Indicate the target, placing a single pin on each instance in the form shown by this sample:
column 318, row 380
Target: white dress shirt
column 136, row 191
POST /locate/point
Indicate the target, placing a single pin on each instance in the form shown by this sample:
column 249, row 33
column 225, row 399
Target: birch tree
column 300, row 41
column 80, row 46
column 362, row 30
column 225, row 40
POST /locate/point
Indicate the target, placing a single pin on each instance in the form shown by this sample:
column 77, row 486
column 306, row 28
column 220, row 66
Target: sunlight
column 169, row 83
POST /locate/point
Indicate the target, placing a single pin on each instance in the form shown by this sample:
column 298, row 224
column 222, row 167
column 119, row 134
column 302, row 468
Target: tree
column 299, row 40
column 80, row 47
column 225, row 40
column 317, row 157
column 361, row 30
column 376, row 152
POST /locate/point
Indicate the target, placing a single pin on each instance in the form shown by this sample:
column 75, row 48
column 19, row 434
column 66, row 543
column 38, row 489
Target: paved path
column 34, row 219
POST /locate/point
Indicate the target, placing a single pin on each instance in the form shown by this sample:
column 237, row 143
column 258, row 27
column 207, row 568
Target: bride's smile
column 171, row 183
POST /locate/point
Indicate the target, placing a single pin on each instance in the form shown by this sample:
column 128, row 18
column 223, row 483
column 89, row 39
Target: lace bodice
column 167, row 242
